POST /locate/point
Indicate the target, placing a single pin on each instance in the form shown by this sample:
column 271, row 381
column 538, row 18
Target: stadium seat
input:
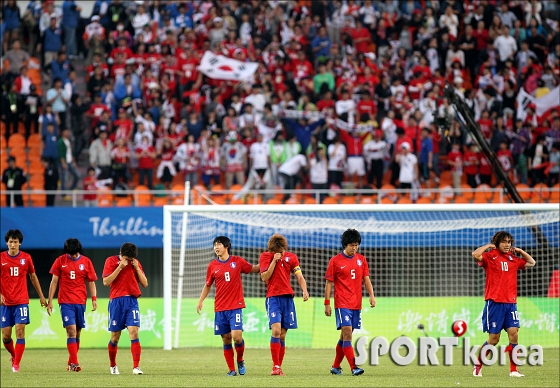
column 161, row 201
column 34, row 141
column 486, row 192
column 38, row 200
column 349, row 200
column 368, row 199
column 330, row 201
column 524, row 191
column 16, row 140
column 104, row 197
column 141, row 197
column 309, row 201
column 423, row 200
column 466, row 192
column 387, row 201
column 461, row 199
column 236, row 202
column 123, row 202
column 540, row 193
column 404, row 200
column 235, row 189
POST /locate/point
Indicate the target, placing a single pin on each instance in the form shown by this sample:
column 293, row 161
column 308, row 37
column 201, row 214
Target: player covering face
column 229, row 302
column 346, row 271
column 501, row 264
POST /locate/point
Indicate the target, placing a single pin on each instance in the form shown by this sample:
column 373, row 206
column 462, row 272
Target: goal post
column 419, row 258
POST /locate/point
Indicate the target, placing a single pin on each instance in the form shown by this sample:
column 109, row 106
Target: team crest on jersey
column 287, row 259
column 232, row 265
column 510, row 258
column 359, row 262
column 22, row 261
column 82, row 267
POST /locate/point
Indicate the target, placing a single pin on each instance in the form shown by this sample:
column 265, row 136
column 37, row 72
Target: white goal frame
column 168, row 210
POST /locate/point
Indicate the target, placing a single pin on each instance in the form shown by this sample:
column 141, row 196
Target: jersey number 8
column 226, row 275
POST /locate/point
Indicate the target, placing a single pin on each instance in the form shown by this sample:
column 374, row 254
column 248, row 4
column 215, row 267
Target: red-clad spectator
column 96, row 109
column 120, row 156
column 471, row 162
column 166, row 169
column 485, row 170
column 486, row 125
column 90, row 186
column 145, row 154
column 505, row 158
column 123, row 128
column 455, row 160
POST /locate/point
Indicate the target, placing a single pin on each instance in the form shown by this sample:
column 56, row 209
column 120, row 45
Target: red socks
column 20, row 347
column 9, row 345
column 240, row 349
column 509, row 350
column 72, row 350
column 112, row 353
column 349, row 353
column 282, row 352
column 136, row 350
column 339, row 355
column 228, row 355
column 275, row 350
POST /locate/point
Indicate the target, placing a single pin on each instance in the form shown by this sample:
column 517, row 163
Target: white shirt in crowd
column 407, row 163
column 375, row 150
column 506, row 46
column 318, row 172
column 293, row 165
column 258, row 152
column 337, row 156
column 346, row 106
column 257, row 100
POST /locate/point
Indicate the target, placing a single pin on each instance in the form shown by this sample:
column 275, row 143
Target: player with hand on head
column 226, row 271
column 123, row 273
column 500, row 293
column 72, row 270
column 14, row 298
column 276, row 266
column 346, row 271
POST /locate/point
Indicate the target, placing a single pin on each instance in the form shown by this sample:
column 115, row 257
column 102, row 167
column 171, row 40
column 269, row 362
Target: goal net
column 419, row 257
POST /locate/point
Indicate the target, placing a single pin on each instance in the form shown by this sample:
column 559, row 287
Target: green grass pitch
column 303, row 368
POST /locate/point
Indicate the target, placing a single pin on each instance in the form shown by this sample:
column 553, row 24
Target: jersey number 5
column 353, row 273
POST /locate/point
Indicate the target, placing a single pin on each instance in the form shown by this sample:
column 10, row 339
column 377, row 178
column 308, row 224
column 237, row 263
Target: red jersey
column 91, row 188
column 501, row 275
column 470, row 158
column 366, row 107
column 457, row 158
column 72, row 274
column 506, row 159
column 229, row 287
column 13, row 282
column 126, row 282
column 485, row 165
column 347, row 274
column 279, row 282
column 486, row 126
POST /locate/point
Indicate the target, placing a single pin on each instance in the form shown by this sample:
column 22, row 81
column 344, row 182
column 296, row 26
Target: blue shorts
column 123, row 312
column 347, row 317
column 73, row 314
column 15, row 315
column 226, row 321
column 497, row 316
column 281, row 309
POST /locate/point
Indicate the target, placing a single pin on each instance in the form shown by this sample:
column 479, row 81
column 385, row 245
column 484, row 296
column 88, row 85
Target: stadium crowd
column 344, row 91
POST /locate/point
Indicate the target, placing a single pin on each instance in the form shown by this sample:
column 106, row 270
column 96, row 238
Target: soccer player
column 346, row 271
column 226, row 271
column 123, row 273
column 14, row 298
column 276, row 266
column 500, row 311
column 72, row 270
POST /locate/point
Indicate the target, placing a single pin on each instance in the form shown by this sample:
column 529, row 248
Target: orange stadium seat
column 237, row 202
column 423, row 200
column 123, row 202
column 524, row 192
column 541, row 193
column 142, row 198
column 349, row 200
column 404, row 200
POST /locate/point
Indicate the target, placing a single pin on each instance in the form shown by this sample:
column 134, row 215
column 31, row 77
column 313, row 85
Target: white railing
column 214, row 197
